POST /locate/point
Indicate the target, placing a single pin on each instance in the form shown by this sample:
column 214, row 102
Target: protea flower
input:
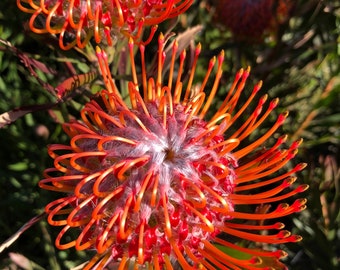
column 156, row 183
column 77, row 21
column 251, row 19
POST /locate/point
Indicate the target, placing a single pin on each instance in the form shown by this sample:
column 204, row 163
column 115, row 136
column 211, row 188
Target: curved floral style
column 159, row 183
column 77, row 21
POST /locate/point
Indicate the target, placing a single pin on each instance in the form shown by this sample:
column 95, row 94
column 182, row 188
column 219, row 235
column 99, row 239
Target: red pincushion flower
column 250, row 19
column 77, row 21
column 156, row 183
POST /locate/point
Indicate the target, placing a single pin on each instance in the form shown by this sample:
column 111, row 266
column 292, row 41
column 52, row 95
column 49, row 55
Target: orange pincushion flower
column 80, row 20
column 155, row 183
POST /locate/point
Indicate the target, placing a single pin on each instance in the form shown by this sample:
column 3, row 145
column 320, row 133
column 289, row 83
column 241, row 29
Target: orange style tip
column 293, row 153
column 299, row 205
column 274, row 103
column 198, row 49
column 161, row 38
column 246, row 73
column 287, row 182
column 291, row 180
column 255, row 260
column 282, row 117
column 257, row 87
column 175, row 45
column 284, row 234
column 279, row 225
column 240, row 72
column 281, row 254
column 281, row 207
column 131, row 41
column 263, row 99
column 301, row 166
column 221, row 57
column 302, row 188
column 183, row 55
column 98, row 50
column 296, row 144
column 212, row 62
column 296, row 238
column 283, row 138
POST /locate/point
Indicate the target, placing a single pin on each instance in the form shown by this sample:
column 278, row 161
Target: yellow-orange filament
column 134, row 117
column 25, row 9
column 244, row 151
column 207, row 74
column 178, row 86
column 140, row 259
column 167, row 225
column 160, row 65
column 58, row 210
column 71, row 216
column 225, row 208
column 103, row 261
column 104, row 243
column 141, row 192
column 198, row 191
column 256, row 252
column 123, row 263
column 136, row 99
column 244, row 106
column 32, row 21
column 70, row 14
column 120, row 20
column 154, row 191
column 126, row 165
column 155, row 263
column 76, row 156
column 217, row 257
column 122, row 232
column 206, row 225
column 89, row 242
column 172, row 63
column 103, row 140
column 58, row 240
column 161, row 15
column 101, row 177
column 182, row 261
column 168, row 265
column 133, row 66
column 50, row 13
column 192, row 74
column 215, row 85
column 97, row 212
column 57, row 184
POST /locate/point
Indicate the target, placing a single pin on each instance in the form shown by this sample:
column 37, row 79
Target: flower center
column 169, row 155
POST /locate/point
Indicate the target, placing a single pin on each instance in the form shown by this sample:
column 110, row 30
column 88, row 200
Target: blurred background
column 293, row 46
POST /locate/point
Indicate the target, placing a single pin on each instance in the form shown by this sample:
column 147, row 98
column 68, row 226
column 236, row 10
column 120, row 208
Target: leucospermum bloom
column 154, row 183
column 77, row 21
column 258, row 16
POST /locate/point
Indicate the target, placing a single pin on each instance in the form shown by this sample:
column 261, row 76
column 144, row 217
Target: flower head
column 156, row 183
column 257, row 16
column 77, row 21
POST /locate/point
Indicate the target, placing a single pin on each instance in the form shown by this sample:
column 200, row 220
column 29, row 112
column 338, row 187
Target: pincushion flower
column 77, row 21
column 258, row 16
column 157, row 182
